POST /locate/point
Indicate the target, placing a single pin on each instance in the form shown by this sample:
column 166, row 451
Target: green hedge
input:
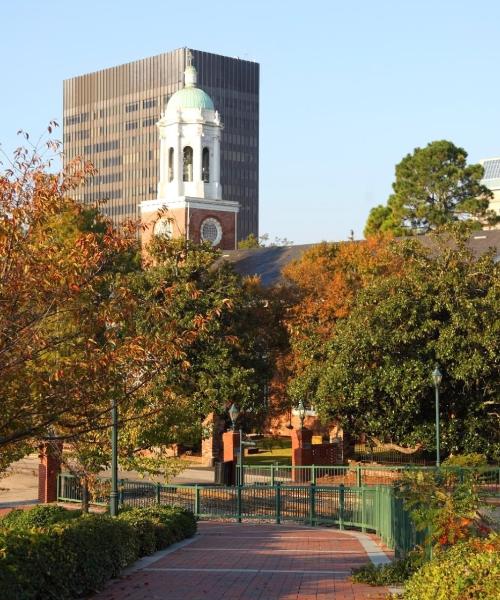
column 41, row 515
column 468, row 570
column 159, row 526
column 75, row 557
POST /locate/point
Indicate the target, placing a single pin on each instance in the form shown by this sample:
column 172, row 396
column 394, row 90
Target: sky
column 347, row 88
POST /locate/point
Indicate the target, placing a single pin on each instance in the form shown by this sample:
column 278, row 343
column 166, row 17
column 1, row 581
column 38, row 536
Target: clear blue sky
column 347, row 88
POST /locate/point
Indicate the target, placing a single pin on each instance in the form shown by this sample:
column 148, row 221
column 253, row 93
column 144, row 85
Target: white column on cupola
column 197, row 150
column 216, row 165
column 163, row 182
column 178, row 162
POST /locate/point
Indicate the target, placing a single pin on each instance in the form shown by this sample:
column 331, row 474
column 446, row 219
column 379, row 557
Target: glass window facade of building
column 110, row 117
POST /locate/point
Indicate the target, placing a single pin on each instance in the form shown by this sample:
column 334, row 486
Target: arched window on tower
column 170, row 164
column 205, row 165
column 188, row 164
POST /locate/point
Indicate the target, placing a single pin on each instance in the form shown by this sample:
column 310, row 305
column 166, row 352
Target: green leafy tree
column 434, row 185
column 443, row 307
column 231, row 359
column 251, row 241
column 371, row 368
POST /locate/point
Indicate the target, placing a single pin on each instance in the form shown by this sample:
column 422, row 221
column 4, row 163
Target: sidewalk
column 20, row 487
column 229, row 561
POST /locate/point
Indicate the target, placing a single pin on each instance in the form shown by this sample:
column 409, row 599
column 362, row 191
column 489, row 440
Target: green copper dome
column 190, row 96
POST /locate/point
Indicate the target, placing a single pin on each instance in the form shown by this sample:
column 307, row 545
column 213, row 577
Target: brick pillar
column 231, row 445
column 230, row 451
column 48, row 469
column 301, row 454
column 211, row 447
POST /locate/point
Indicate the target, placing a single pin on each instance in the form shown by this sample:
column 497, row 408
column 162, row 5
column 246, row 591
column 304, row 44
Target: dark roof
column 267, row 263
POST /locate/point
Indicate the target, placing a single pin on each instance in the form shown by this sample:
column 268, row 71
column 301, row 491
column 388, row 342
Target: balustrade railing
column 374, row 508
column 488, row 478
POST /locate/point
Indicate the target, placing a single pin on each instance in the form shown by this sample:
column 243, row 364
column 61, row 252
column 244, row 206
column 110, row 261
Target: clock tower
column 189, row 202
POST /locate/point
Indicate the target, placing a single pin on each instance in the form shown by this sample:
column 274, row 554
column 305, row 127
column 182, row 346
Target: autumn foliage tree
column 325, row 283
column 83, row 322
column 74, row 330
column 47, row 365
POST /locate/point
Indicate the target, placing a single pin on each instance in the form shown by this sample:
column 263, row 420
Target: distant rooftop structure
column 491, row 180
column 268, row 263
column 491, row 168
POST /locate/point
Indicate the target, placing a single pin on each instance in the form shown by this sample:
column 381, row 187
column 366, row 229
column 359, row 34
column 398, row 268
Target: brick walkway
column 254, row 562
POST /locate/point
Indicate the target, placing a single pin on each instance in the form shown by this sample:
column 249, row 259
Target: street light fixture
column 302, row 413
column 437, row 378
column 234, row 413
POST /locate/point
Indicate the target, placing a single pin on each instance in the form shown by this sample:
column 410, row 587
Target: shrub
column 444, row 505
column 145, row 530
column 393, row 573
column 466, row 460
column 42, row 515
column 66, row 559
column 468, row 570
column 74, row 557
column 169, row 524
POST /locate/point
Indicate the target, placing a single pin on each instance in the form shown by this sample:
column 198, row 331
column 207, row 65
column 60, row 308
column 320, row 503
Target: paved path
column 19, row 486
column 229, row 561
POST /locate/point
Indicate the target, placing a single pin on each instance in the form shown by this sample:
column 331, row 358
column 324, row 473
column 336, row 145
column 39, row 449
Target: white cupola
column 190, row 132
column 189, row 202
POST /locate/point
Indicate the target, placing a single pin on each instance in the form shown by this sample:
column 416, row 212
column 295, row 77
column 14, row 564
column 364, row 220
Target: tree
column 433, row 186
column 231, row 360
column 443, row 307
column 82, row 324
column 252, row 241
column 324, row 285
column 51, row 301
column 74, row 332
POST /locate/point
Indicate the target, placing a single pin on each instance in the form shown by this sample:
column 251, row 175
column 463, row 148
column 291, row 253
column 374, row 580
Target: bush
column 468, row 570
column 42, row 515
column 165, row 525
column 466, row 460
column 75, row 557
column 64, row 560
column 393, row 573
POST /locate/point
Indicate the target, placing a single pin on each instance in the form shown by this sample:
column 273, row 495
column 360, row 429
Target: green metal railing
column 488, row 478
column 69, row 489
column 374, row 508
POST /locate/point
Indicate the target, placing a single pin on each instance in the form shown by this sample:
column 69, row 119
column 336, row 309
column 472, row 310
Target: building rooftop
column 491, row 168
column 267, row 263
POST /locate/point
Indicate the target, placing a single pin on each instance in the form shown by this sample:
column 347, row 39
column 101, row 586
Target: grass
column 283, row 456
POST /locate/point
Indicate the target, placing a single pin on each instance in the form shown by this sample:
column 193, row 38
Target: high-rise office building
column 110, row 119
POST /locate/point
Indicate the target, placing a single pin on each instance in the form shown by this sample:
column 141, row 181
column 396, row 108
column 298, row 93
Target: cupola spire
column 190, row 74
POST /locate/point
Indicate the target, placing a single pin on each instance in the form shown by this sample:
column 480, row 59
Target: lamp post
column 302, row 413
column 436, row 378
column 234, row 413
column 113, row 496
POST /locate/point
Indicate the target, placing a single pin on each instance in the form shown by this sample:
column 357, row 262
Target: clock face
column 164, row 227
column 211, row 231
